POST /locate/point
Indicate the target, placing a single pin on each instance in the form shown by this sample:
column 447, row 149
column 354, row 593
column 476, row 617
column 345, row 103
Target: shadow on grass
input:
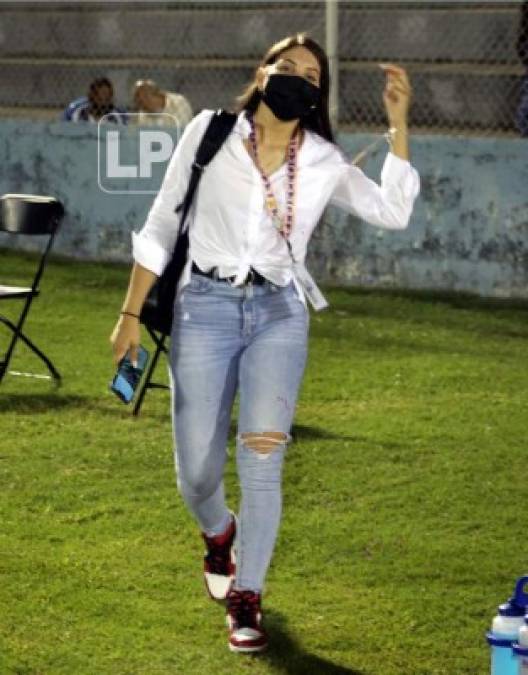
column 110, row 406
column 42, row 403
column 301, row 432
column 285, row 655
column 106, row 405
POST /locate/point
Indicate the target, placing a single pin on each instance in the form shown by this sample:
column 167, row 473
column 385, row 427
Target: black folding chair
column 159, row 337
column 28, row 215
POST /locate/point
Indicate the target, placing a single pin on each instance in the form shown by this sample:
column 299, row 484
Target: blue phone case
column 127, row 377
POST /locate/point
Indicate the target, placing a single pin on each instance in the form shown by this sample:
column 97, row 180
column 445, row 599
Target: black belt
column 253, row 276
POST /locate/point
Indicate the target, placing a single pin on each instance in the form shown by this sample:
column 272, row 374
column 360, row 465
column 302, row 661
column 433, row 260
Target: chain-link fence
column 463, row 57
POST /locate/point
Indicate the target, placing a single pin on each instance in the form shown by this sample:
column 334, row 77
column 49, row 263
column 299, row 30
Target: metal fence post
column 333, row 58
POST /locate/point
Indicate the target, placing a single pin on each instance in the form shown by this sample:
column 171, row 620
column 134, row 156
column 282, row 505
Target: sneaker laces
column 244, row 607
column 218, row 557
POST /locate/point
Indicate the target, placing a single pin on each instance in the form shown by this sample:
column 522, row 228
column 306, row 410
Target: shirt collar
column 242, row 125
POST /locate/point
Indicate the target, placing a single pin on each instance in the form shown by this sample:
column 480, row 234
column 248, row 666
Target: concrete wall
column 469, row 230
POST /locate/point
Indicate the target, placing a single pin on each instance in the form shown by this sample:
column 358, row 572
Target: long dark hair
column 317, row 120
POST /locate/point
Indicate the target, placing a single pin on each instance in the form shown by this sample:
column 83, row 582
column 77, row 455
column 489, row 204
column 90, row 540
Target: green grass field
column 404, row 521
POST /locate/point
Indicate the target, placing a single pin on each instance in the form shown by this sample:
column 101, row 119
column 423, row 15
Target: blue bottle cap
column 521, row 592
column 511, row 608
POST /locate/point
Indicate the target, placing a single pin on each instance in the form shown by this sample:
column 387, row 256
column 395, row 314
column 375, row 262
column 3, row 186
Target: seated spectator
column 149, row 98
column 99, row 103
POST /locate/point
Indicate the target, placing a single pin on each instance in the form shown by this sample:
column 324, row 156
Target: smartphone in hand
column 127, row 377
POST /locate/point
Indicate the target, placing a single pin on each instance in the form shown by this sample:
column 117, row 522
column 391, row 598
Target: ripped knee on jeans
column 264, row 442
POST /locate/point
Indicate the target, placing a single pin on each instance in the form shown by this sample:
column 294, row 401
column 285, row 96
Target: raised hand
column 396, row 95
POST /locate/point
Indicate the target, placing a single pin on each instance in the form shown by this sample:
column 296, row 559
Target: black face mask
column 290, row 97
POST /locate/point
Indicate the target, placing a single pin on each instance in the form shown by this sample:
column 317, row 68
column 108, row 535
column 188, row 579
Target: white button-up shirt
column 229, row 225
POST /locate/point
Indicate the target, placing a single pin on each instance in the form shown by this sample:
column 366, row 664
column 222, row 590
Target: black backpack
column 157, row 309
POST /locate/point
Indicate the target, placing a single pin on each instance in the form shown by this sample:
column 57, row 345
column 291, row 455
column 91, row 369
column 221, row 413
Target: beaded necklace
column 284, row 223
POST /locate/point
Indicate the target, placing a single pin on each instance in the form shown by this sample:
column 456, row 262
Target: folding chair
column 28, row 215
column 159, row 337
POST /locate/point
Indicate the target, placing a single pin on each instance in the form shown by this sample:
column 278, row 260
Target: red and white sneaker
column 220, row 562
column 244, row 620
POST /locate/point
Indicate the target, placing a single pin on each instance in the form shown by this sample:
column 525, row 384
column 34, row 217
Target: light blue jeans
column 253, row 340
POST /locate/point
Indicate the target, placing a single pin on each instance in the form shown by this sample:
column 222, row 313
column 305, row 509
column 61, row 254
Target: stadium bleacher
column 462, row 59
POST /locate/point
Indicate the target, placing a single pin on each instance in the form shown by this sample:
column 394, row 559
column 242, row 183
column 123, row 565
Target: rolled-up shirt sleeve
column 153, row 245
column 388, row 205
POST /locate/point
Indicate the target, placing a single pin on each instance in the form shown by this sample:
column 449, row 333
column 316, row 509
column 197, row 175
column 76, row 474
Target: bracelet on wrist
column 136, row 316
column 392, row 132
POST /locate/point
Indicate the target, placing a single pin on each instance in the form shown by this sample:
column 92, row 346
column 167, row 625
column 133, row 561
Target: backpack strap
column 217, row 131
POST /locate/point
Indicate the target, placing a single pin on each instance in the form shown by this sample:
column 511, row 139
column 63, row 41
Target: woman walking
column 240, row 317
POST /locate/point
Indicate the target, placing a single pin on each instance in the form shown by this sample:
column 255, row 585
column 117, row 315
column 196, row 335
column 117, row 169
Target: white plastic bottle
column 504, row 632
